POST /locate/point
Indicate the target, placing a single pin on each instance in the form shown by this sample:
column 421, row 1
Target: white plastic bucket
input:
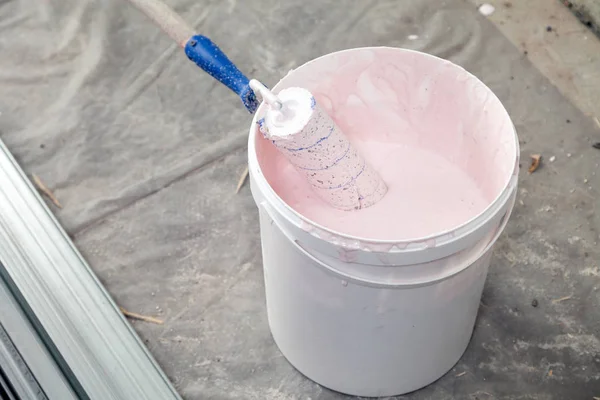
column 381, row 317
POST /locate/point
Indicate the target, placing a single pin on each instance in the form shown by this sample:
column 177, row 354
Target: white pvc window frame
column 97, row 350
column 26, row 363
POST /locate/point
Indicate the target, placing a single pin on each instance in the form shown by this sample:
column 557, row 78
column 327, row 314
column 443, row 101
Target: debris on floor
column 44, row 189
column 487, row 9
column 535, row 162
column 596, row 145
column 141, row 317
column 556, row 301
column 534, row 303
column 242, row 180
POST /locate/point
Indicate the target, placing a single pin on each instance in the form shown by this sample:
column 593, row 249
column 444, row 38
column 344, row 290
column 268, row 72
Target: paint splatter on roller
column 298, row 127
column 316, row 146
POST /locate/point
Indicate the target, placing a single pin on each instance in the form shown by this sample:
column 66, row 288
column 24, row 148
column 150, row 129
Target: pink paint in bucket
column 382, row 301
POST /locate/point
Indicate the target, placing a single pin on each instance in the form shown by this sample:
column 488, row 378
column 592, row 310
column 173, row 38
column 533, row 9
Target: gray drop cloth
column 144, row 151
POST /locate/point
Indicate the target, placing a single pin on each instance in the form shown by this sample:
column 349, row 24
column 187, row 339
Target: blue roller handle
column 207, row 55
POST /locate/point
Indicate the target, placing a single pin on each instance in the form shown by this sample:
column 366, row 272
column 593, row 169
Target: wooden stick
column 44, row 189
column 242, row 180
column 167, row 19
column 141, row 317
column 562, row 299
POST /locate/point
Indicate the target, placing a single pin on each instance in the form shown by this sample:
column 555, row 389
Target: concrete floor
column 568, row 55
column 146, row 167
column 216, row 343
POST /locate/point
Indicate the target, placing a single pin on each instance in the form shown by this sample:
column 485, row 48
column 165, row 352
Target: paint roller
column 301, row 130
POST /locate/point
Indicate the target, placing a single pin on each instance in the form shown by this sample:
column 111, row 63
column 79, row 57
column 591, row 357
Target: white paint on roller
column 266, row 94
column 318, row 149
column 296, row 111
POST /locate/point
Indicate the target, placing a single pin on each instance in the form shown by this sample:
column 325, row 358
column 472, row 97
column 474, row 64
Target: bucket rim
column 478, row 251
column 495, row 206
